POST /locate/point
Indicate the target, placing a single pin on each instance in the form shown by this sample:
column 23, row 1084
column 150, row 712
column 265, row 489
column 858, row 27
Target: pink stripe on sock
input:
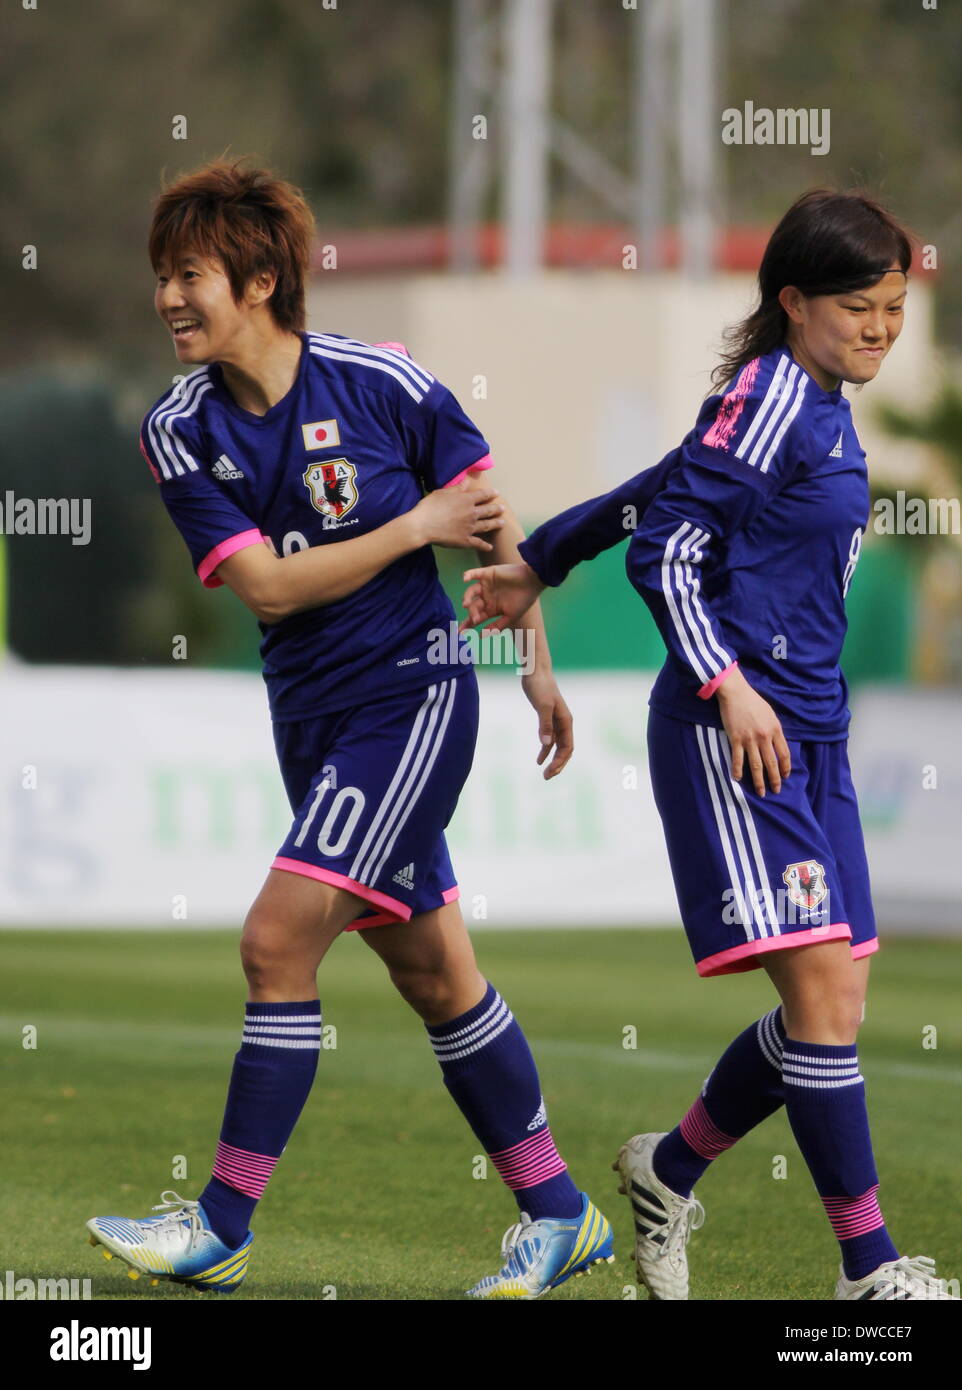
column 532, row 1161
column 701, row 1135
column 244, row 1171
column 854, row 1216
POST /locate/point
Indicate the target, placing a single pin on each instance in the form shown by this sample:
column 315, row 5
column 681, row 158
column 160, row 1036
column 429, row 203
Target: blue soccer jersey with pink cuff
column 746, row 553
column 362, row 434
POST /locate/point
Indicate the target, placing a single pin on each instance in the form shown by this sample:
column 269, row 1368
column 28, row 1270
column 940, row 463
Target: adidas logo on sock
column 225, row 469
column 405, row 876
column 541, row 1116
column 837, row 451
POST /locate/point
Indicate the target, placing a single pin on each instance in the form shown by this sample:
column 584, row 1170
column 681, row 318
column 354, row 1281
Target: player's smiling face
column 844, row 337
column 194, row 300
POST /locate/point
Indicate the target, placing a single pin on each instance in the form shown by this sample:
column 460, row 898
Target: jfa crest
column 332, row 485
column 806, row 883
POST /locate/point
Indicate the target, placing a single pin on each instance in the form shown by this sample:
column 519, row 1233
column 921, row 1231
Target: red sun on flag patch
column 321, row 434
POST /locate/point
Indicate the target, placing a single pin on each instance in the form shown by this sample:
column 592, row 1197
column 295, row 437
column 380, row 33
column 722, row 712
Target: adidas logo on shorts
column 405, row 877
column 225, row 469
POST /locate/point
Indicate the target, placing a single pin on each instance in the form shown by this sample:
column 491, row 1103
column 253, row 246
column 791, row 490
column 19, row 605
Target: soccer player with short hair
column 747, row 539
column 312, row 473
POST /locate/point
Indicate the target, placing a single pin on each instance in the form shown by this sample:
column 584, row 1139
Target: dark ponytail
column 827, row 243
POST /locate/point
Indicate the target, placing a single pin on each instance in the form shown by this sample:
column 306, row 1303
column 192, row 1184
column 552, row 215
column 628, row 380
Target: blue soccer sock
column 744, row 1089
column 825, row 1103
column 272, row 1077
column 490, row 1072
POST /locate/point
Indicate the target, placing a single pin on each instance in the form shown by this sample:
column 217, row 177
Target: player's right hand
column 459, row 517
column 501, row 595
column 754, row 732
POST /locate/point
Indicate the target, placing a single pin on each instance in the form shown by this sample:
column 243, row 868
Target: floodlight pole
column 469, row 145
column 524, row 133
column 698, row 135
column 652, row 55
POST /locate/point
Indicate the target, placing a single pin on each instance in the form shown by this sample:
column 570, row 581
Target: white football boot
column 663, row 1220
column 179, row 1246
column 911, row 1277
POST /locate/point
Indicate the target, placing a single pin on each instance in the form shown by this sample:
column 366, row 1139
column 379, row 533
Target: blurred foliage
column 938, row 425
column 352, row 104
column 933, row 557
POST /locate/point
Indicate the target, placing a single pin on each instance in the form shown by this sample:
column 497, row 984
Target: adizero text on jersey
column 747, row 552
column 362, row 434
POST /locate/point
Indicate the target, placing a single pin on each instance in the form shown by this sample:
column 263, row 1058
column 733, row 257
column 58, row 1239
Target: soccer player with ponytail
column 747, row 539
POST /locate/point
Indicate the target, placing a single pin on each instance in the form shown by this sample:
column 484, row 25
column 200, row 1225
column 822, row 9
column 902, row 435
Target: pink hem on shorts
column 395, row 910
column 864, row 948
column 745, row 957
column 384, row 919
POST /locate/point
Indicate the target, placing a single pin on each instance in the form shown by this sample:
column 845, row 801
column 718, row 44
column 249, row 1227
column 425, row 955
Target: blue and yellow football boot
column 180, row 1246
column 540, row 1255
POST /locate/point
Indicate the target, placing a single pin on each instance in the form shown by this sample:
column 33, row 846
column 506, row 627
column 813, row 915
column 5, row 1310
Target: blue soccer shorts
column 372, row 789
column 756, row 874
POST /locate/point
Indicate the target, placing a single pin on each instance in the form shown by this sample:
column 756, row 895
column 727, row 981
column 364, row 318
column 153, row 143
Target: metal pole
column 524, row 134
column 652, row 69
column 698, row 136
column 468, row 156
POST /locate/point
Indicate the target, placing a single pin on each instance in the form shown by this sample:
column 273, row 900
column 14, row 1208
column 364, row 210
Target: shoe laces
column 184, row 1209
column 512, row 1235
column 690, row 1218
column 913, row 1272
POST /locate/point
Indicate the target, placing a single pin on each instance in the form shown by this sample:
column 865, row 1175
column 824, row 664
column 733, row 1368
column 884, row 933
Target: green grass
column 375, row 1194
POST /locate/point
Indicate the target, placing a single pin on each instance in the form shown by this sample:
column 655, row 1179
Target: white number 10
column 355, row 796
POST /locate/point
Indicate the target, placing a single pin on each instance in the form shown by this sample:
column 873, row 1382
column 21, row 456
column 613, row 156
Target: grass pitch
column 376, row 1196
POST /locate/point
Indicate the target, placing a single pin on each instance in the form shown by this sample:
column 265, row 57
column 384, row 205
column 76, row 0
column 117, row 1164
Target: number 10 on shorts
column 326, row 843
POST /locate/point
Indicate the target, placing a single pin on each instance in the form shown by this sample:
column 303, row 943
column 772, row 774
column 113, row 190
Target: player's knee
column 830, row 1017
column 255, row 961
column 430, row 993
column 262, row 954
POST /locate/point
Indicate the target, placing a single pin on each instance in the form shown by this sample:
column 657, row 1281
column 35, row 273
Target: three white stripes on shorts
column 739, row 838
column 413, row 770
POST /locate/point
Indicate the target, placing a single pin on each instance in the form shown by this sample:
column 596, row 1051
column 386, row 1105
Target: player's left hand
column 555, row 725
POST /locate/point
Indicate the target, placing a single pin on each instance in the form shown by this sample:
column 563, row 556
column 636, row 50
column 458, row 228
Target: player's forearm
column 530, row 637
column 582, row 532
column 323, row 574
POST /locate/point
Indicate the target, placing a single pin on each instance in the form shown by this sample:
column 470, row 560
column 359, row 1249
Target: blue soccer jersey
column 362, row 434
column 746, row 553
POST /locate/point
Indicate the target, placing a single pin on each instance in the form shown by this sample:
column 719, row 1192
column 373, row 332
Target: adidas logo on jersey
column 837, row 451
column 225, row 469
column 405, row 876
column 540, row 1118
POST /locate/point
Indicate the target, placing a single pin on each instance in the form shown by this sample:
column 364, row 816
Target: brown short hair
column 247, row 219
